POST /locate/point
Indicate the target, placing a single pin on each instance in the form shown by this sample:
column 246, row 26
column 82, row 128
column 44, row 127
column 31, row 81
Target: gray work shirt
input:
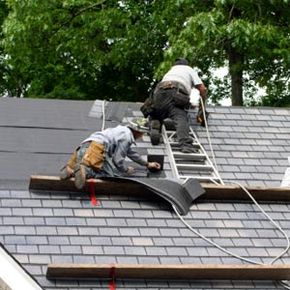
column 118, row 142
column 184, row 75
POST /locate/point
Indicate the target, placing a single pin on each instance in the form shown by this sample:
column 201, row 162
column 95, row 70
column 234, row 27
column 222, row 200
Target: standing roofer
column 171, row 99
column 103, row 154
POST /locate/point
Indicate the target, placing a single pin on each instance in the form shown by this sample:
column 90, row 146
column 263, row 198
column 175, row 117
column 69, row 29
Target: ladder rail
column 169, row 140
column 170, row 153
column 207, row 157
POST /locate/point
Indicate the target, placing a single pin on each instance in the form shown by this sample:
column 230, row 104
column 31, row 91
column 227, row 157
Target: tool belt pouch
column 181, row 100
column 94, row 156
column 166, row 85
column 73, row 160
column 201, row 118
column 147, row 107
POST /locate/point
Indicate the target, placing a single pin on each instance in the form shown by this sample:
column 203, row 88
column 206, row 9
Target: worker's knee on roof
column 72, row 161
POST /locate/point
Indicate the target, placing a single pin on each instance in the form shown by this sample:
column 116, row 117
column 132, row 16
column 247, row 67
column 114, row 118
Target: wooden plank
column 188, row 272
column 235, row 192
column 54, row 183
column 212, row 191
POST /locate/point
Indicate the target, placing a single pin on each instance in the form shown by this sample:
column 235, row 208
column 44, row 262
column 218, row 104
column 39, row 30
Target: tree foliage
column 251, row 37
column 108, row 49
column 82, row 48
column 3, row 67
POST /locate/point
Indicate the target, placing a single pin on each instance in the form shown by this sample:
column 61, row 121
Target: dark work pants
column 164, row 107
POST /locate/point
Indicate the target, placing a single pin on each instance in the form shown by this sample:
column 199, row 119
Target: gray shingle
column 127, row 260
column 126, row 213
column 170, row 260
column 34, row 221
column 89, row 221
column 55, row 221
column 25, row 230
column 40, row 259
column 129, row 231
column 83, row 212
column 13, row 221
column 161, row 241
column 82, row 259
column 49, row 249
column 79, row 221
column 18, row 240
column 102, row 240
column 93, row 250
column 63, row 212
column 10, row 203
column 42, row 212
column 148, row 260
column 46, row 230
column 37, row 240
column 229, row 232
column 67, row 231
column 79, row 240
column 141, row 222
column 58, row 240
column 71, row 250
column 141, row 242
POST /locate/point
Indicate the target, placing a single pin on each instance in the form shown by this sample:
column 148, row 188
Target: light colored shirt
column 118, row 142
column 184, row 75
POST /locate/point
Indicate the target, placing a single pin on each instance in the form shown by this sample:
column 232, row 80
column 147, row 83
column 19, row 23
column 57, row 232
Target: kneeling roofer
column 103, row 154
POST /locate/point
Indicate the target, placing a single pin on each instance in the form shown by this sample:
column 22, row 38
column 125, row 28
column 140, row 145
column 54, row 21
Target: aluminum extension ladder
column 189, row 165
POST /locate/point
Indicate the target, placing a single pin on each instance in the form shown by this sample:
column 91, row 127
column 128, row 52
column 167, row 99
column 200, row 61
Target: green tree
column 250, row 37
column 3, row 67
column 87, row 49
column 82, row 48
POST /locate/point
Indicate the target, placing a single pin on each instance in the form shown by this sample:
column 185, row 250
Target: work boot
column 169, row 124
column 188, row 149
column 155, row 127
column 80, row 176
column 66, row 172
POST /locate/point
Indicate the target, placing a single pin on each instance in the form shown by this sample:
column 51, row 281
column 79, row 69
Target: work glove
column 130, row 170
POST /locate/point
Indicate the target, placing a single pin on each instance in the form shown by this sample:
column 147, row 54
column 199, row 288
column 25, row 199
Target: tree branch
column 77, row 14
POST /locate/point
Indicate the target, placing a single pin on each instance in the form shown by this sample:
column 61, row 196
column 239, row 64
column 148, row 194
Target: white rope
column 103, row 114
column 282, row 283
column 283, row 252
column 271, row 220
column 247, row 192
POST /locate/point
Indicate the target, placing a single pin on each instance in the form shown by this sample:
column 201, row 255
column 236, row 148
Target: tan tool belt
column 94, row 156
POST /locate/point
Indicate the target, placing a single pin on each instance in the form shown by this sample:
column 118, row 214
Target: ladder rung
column 170, row 132
column 176, row 144
column 199, row 177
column 190, row 156
column 194, row 166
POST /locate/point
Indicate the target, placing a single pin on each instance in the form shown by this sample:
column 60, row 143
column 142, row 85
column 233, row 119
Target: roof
column 251, row 146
